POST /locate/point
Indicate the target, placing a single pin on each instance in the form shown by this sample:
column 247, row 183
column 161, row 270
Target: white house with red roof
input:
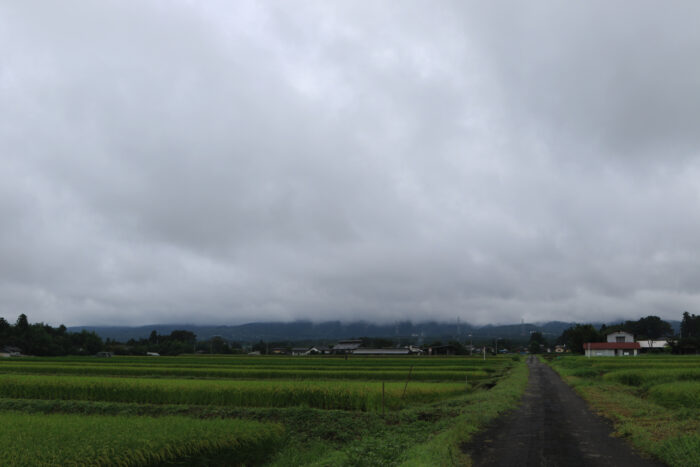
column 619, row 343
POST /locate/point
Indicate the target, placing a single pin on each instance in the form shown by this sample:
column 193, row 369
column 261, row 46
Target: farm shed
column 300, row 351
column 651, row 344
column 610, row 349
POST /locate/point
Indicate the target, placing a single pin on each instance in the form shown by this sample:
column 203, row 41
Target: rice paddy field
column 652, row 399
column 249, row 410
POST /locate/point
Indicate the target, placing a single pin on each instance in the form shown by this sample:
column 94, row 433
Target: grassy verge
column 669, row 433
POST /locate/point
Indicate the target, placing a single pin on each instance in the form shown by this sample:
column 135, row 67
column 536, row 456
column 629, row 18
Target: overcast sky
column 227, row 162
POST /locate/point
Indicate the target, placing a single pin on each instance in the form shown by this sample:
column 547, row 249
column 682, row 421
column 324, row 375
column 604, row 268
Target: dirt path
column 552, row 427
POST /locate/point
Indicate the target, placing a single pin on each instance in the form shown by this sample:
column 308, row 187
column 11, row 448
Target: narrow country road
column 552, row 427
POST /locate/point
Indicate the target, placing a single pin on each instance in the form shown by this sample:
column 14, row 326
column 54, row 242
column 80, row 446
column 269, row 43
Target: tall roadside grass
column 59, row 439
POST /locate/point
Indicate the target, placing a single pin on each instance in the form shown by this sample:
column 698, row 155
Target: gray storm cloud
column 225, row 163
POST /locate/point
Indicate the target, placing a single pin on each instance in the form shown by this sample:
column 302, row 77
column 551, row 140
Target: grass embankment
column 652, row 400
column 61, row 439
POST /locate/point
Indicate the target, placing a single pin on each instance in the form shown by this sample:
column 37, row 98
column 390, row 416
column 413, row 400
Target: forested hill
column 335, row 330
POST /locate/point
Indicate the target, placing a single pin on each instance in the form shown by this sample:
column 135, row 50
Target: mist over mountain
column 335, row 330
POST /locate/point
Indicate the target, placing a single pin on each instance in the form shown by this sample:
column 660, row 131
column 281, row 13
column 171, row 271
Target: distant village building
column 300, row 351
column 381, row 352
column 346, row 346
column 442, row 350
column 319, row 350
column 9, row 351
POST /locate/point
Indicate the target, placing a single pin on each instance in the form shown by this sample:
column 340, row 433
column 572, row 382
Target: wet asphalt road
column 552, row 427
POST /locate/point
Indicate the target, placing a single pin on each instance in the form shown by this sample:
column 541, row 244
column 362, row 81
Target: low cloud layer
column 219, row 163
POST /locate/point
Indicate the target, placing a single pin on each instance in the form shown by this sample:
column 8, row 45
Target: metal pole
column 407, row 380
column 382, row 398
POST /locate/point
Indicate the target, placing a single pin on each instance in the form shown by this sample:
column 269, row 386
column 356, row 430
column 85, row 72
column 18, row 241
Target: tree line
column 43, row 340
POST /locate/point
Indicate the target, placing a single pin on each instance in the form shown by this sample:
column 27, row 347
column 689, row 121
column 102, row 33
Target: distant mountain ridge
column 335, row 330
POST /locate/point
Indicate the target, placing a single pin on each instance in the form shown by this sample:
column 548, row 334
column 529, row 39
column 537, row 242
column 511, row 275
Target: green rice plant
column 652, row 377
column 677, row 395
column 375, row 374
column 346, row 395
column 681, row 450
column 59, row 439
column 278, row 361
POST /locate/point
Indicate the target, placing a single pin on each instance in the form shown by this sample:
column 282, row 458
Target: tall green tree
column 575, row 336
column 536, row 342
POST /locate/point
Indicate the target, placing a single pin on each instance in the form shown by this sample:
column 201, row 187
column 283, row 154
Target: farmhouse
column 300, row 351
column 619, row 343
